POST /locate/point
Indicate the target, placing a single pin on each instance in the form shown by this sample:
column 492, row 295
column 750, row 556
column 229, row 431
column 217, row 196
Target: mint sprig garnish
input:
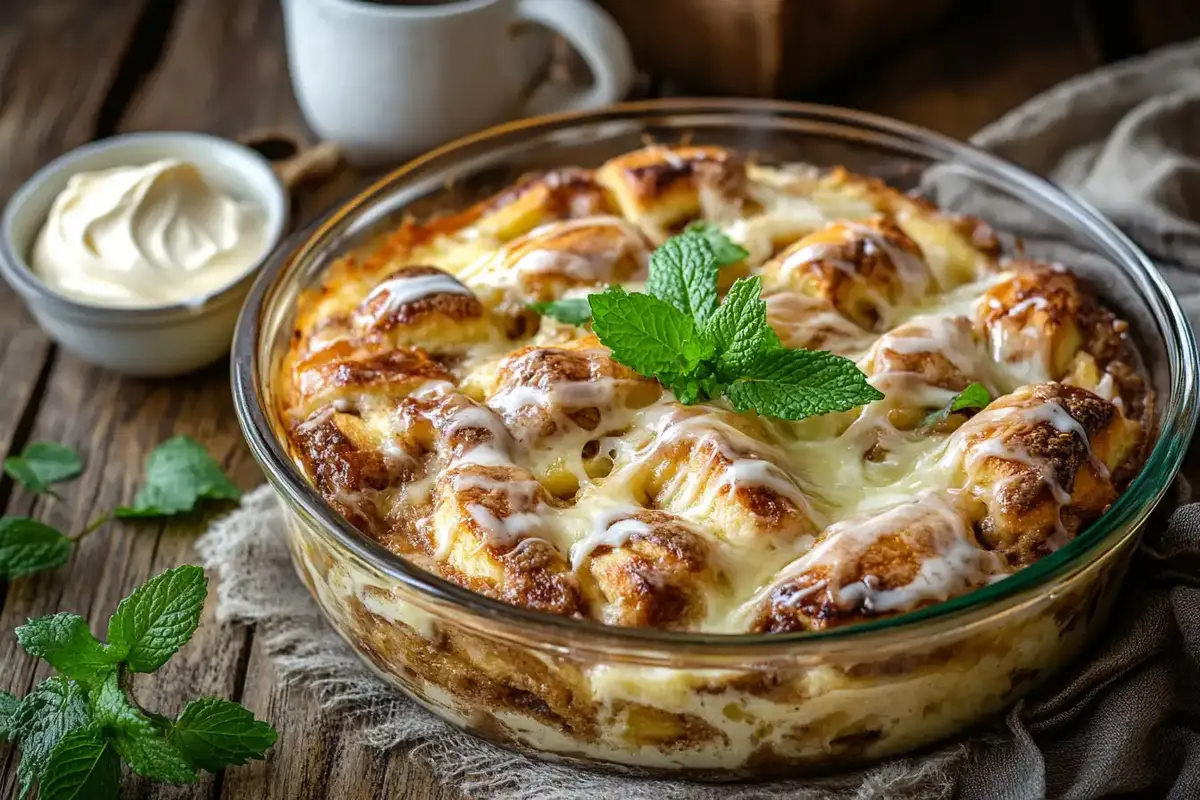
column 42, row 464
column 700, row 348
column 683, row 272
column 725, row 250
column 75, row 728
column 179, row 474
column 975, row 396
column 572, row 310
column 651, row 336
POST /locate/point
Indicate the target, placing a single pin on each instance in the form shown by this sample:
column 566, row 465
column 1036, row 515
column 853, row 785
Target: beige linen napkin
column 1126, row 719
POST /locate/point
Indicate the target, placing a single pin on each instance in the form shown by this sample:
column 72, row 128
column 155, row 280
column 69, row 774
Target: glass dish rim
column 1176, row 420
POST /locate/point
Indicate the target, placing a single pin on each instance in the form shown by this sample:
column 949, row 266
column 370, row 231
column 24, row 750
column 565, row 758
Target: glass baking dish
column 718, row 707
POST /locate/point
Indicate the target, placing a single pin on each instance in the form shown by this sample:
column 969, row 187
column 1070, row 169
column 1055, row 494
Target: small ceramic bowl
column 149, row 341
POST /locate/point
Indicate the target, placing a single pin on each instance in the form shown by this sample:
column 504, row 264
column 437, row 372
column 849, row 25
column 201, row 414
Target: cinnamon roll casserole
column 511, row 455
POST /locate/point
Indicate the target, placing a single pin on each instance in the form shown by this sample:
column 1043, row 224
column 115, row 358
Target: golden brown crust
column 692, row 470
column 657, row 576
column 662, row 187
column 558, row 257
column 345, row 374
column 485, row 525
column 1041, row 461
column 862, row 269
column 541, row 390
column 852, row 578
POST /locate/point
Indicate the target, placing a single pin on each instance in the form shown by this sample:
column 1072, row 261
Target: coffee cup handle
column 597, row 38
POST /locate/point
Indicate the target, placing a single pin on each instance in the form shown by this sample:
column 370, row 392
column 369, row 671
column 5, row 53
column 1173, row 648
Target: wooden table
column 75, row 70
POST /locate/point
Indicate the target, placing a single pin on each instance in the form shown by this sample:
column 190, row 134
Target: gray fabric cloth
column 1126, row 719
column 1127, row 139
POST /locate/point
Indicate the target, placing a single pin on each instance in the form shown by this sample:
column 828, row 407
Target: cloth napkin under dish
column 1125, row 719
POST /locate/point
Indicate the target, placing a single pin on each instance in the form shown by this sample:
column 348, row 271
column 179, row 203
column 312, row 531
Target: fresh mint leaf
column 683, row 272
column 82, row 765
column 153, row 757
column 795, row 384
column 974, row 396
column 111, row 707
column 50, row 711
column 692, row 388
column 645, row 333
column 724, row 249
column 8, row 716
column 27, row 545
column 42, row 464
column 572, row 310
column 159, row 617
column 215, row 733
column 179, row 474
column 65, row 642
column 739, row 326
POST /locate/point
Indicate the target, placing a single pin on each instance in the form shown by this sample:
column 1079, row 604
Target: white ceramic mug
column 387, row 81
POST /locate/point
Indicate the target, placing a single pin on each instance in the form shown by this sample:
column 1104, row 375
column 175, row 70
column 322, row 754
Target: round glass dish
column 712, row 706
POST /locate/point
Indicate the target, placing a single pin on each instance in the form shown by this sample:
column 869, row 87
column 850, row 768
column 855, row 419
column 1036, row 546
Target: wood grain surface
column 69, row 74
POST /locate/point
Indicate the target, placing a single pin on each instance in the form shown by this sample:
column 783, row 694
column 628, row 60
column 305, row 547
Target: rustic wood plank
column 57, row 62
column 981, row 61
column 313, row 753
column 115, row 422
column 327, row 761
column 225, row 72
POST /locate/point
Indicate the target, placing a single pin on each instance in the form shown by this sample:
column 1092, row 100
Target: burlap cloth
column 1126, row 719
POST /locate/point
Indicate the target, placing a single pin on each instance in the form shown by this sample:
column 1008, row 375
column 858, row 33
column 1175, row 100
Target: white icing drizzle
column 930, row 522
column 403, row 289
column 802, row 322
column 606, row 533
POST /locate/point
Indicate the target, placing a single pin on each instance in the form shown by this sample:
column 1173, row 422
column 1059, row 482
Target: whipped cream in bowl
column 136, row 252
column 147, row 235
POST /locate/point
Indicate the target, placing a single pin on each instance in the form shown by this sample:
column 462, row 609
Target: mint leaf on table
column 8, row 716
column 50, row 711
column 27, row 545
column 645, row 333
column 179, row 474
column 42, row 464
column 975, row 396
column 572, row 310
column 152, row 756
column 725, row 250
column 794, row 384
column 66, row 643
column 73, row 734
column 215, row 733
column 82, row 765
column 112, row 708
column 683, row 272
column 739, row 326
column 159, row 617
